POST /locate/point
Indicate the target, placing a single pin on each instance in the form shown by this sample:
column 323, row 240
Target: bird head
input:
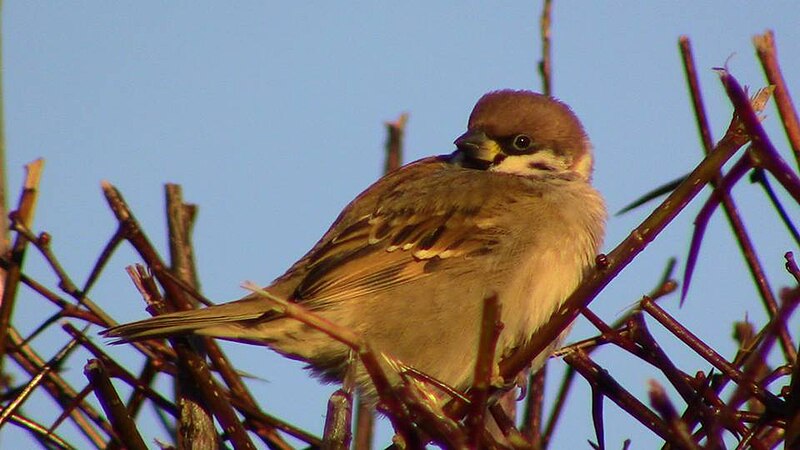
column 524, row 133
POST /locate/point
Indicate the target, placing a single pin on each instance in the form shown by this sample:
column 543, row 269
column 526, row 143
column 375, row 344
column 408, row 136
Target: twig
column 665, row 286
column 109, row 364
column 641, row 344
column 24, row 215
column 764, row 154
column 4, row 234
column 258, row 417
column 757, row 176
column 508, row 428
column 768, row 55
column 721, row 194
column 43, row 434
column 546, row 64
column 690, row 70
column 597, row 417
column 262, row 424
column 146, row 377
column 756, row 367
column 701, row 405
column 754, row 265
column 42, row 244
column 365, row 420
column 85, row 417
column 198, row 369
column 715, row 359
column 394, row 143
column 195, row 425
column 653, row 194
column 183, row 286
column 123, row 424
column 59, row 357
column 102, row 260
column 337, row 421
column 597, row 376
column 791, row 266
column 534, row 409
column 661, row 403
column 762, row 343
column 487, row 345
column 180, row 222
column 429, row 417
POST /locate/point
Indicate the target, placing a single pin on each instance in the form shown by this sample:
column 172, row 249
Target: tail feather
column 214, row 320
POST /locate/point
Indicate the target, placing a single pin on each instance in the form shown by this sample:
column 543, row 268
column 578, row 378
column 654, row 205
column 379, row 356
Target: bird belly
column 532, row 296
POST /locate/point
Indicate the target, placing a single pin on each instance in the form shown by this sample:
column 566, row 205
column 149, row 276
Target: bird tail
column 224, row 321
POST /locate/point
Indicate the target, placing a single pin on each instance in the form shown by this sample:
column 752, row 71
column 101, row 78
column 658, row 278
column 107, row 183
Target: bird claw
column 521, row 381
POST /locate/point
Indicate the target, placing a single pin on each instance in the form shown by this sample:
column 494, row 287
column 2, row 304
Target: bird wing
column 385, row 250
column 407, row 233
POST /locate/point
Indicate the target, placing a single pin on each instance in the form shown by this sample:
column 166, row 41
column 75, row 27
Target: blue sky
column 270, row 116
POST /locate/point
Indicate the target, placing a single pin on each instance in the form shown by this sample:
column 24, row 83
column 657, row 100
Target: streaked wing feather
column 386, row 249
column 409, row 224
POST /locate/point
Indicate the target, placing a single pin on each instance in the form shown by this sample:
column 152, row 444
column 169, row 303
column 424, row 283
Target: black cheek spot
column 499, row 158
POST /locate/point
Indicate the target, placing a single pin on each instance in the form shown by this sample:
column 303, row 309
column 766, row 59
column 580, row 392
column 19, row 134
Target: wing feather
column 362, row 263
column 391, row 235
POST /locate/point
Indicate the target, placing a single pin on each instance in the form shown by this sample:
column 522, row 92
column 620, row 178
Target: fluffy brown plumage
column 409, row 261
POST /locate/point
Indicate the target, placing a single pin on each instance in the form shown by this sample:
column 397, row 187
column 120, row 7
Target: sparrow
column 407, row 264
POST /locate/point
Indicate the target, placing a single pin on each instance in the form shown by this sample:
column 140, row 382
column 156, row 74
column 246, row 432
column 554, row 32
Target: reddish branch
column 128, row 434
column 722, row 194
column 23, row 215
column 768, row 55
column 195, row 367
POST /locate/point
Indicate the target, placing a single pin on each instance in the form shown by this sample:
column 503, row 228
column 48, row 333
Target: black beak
column 471, row 141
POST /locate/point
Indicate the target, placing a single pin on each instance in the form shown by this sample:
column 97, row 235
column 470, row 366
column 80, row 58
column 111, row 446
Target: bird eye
column 522, row 142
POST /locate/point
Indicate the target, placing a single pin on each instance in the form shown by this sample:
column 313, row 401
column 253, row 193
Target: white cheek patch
column 538, row 163
column 583, row 165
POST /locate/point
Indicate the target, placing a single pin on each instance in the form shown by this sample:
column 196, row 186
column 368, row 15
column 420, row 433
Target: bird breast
column 555, row 246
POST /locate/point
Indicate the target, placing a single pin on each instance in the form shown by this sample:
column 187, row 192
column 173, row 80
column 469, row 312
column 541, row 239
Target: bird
column 407, row 264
